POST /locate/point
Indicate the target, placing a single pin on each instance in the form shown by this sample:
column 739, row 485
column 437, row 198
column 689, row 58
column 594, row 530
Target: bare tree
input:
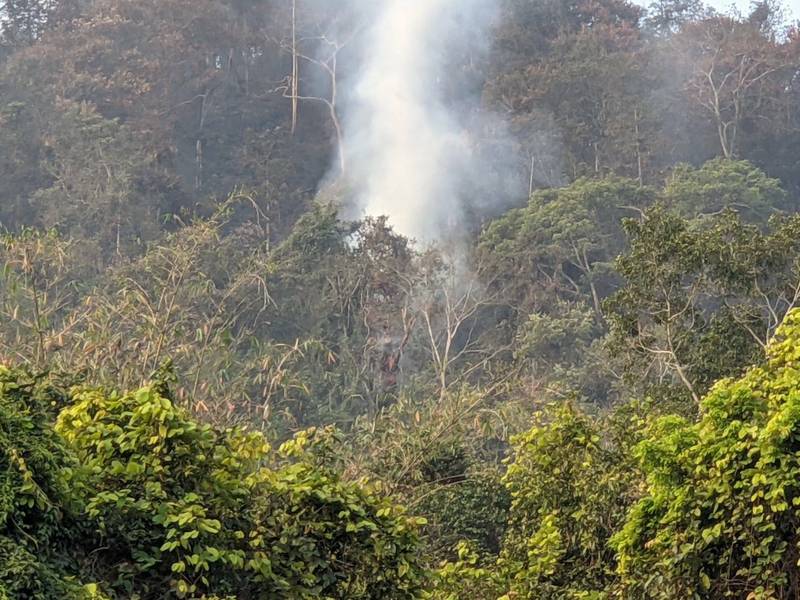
column 738, row 73
column 319, row 49
column 661, row 342
column 449, row 305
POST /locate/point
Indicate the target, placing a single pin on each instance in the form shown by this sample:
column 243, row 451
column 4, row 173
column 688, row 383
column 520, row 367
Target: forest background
column 590, row 393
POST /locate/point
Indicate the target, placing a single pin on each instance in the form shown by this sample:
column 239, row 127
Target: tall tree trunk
column 530, row 183
column 198, row 165
column 337, row 125
column 198, row 151
column 295, row 67
column 246, row 65
column 596, row 157
column 639, row 164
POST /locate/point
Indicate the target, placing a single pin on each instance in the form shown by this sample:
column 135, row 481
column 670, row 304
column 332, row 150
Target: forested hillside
column 222, row 375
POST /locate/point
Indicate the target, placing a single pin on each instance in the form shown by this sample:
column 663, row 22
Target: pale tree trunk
column 530, row 183
column 198, row 164
column 337, row 125
column 596, row 157
column 639, row 162
column 246, row 66
column 295, row 68
column 198, row 152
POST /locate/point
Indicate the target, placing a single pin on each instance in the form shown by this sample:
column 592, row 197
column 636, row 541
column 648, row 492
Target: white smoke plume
column 407, row 132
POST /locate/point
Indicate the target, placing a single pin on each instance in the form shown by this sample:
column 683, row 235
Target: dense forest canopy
column 226, row 372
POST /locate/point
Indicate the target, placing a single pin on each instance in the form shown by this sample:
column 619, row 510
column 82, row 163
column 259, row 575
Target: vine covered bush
column 720, row 515
column 570, row 481
column 38, row 516
column 125, row 490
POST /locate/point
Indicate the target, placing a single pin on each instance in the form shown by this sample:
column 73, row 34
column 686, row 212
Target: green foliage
column 565, row 347
column 185, row 507
column 700, row 303
column 565, row 238
column 718, row 517
column 570, row 490
column 571, row 482
column 466, row 577
column 39, row 533
column 472, row 507
column 164, row 204
column 128, row 491
column 637, row 505
column 553, row 264
column 724, row 184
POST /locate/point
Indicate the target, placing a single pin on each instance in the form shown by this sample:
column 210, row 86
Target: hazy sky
column 792, row 5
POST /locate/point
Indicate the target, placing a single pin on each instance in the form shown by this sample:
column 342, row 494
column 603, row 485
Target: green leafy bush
column 128, row 491
column 571, row 483
column 720, row 515
column 38, row 527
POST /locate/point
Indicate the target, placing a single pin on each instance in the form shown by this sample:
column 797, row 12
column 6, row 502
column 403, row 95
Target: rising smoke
column 411, row 127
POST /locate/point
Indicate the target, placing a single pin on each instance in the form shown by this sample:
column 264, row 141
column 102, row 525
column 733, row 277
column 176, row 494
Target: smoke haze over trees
column 437, row 299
